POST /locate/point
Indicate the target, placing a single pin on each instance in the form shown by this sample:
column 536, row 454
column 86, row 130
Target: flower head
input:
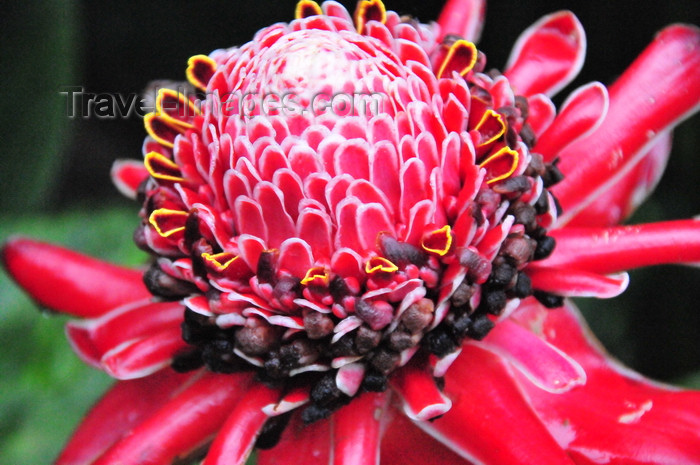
column 351, row 210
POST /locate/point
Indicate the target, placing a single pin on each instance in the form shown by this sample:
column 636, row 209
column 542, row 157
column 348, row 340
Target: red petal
column 236, row 438
column 463, row 18
column 661, row 87
column 547, row 55
column 356, row 430
column 576, row 283
column 122, row 408
column 422, row 400
column 182, row 424
column 617, row 203
column 617, row 417
column 70, row 282
column 490, row 420
column 300, row 444
column 581, row 113
column 609, row 250
column 127, row 176
column 404, row 444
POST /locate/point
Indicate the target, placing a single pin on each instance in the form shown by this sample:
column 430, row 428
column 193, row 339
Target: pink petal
column 543, row 364
column 541, row 113
column 356, row 430
column 581, row 114
column 296, row 257
column 182, row 424
column 236, row 438
column 547, row 55
column 463, row 17
column 618, row 202
column 121, row 409
column 68, row 281
column 661, row 87
column 609, row 250
column 490, row 420
column 279, row 224
column 316, row 229
column 576, row 283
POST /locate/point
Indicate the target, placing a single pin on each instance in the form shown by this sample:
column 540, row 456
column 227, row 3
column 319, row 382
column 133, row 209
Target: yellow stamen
column 377, row 264
column 441, row 237
column 459, row 49
column 498, row 157
column 306, row 8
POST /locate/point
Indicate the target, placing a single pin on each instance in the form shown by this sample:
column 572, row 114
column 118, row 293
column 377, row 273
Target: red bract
column 360, row 237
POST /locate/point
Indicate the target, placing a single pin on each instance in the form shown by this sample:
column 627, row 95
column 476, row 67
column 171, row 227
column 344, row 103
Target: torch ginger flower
column 333, row 276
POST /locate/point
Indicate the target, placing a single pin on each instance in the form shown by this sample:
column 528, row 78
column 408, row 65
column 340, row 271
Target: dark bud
column 460, row 297
column 401, row 253
column 218, row 356
column 272, row 431
column 552, row 176
column 398, row 341
column 314, row 413
column 384, row 360
column 161, row 284
column 325, row 393
column 548, row 300
column 418, row 315
column 439, row 342
column 519, row 250
column 266, row 267
column 545, row 247
column 344, row 347
column 192, row 233
column 197, row 328
column 523, row 286
column 257, row 340
column 338, row 288
column 366, row 339
column 374, row 381
column 513, row 185
column 528, row 135
column 522, row 105
column 524, row 214
column 501, row 275
column 493, row 301
column 187, row 361
column 542, row 204
column 317, row 325
column 478, row 268
column 461, row 326
column 480, row 327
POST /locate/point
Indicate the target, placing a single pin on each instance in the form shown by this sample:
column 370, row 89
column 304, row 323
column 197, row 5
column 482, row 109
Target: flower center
column 328, row 251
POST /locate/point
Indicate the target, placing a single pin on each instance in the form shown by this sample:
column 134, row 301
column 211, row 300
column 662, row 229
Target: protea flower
column 360, row 236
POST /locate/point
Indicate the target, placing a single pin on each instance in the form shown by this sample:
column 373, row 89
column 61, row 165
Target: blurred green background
column 54, row 174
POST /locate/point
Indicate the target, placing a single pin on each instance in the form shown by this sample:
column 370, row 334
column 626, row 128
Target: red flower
column 352, row 225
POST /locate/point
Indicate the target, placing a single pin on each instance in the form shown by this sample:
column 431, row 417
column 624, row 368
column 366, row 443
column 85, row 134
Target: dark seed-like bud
column 344, row 347
column 460, row 297
column 439, row 342
column 257, row 340
column 523, row 286
column 548, row 300
column 528, row 135
column 542, row 204
column 493, row 301
column 502, row 274
column 461, row 325
column 478, row 268
column 480, row 327
column 338, row 288
column 366, row 339
column 513, row 185
column 266, row 267
column 398, row 341
column 524, row 214
column 384, row 360
column 325, row 393
column 374, row 381
column 552, row 176
column 187, row 361
column 317, row 325
column 161, row 284
column 418, row 315
column 314, row 413
column 518, row 249
column 272, row 431
column 522, row 105
column 219, row 357
column 545, row 247
column 401, row 253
